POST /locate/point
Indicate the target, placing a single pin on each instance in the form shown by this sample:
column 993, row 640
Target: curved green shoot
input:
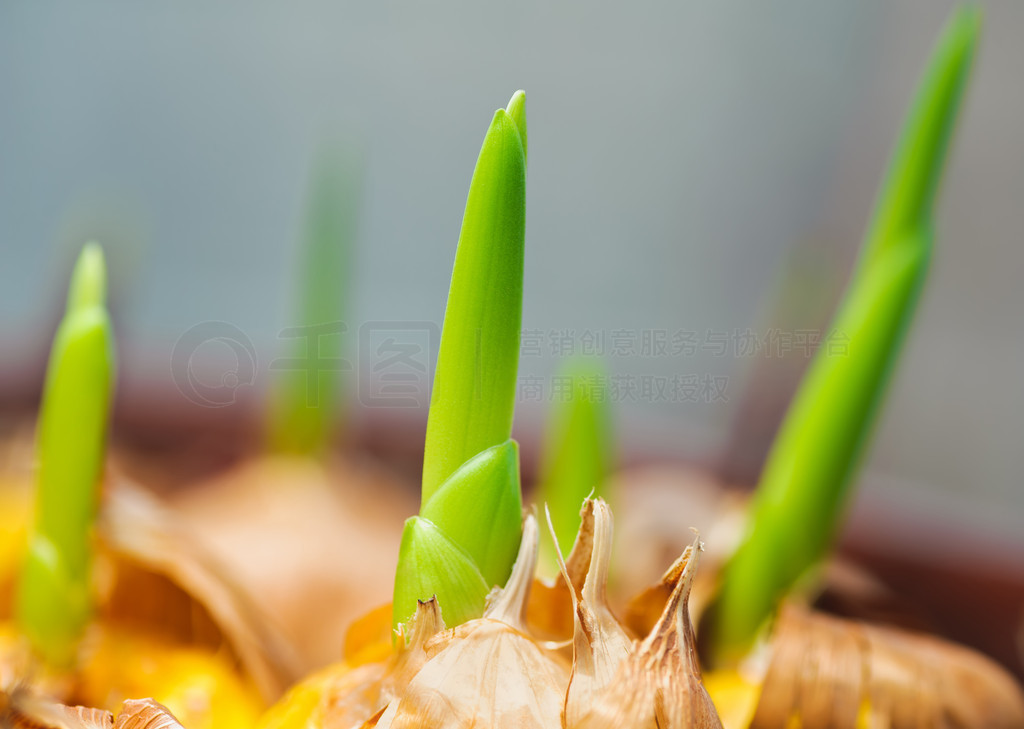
column 305, row 399
column 54, row 602
column 577, row 453
column 465, row 540
column 803, row 488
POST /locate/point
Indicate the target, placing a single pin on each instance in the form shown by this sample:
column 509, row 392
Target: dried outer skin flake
column 550, row 607
column 381, row 683
column 353, row 695
column 22, row 709
column 659, row 686
column 145, row 714
column 600, row 644
column 831, row 672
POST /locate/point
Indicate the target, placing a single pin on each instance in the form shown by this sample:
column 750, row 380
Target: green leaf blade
column 473, row 397
column 806, row 479
column 53, row 602
column 305, row 399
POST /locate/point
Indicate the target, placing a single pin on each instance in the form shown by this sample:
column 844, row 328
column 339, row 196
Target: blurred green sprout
column 54, row 601
column 303, row 412
column 805, row 482
column 577, row 454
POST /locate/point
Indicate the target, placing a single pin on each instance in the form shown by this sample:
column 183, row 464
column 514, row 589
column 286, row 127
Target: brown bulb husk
column 832, row 672
column 285, row 528
column 158, row 580
column 362, row 693
column 22, row 709
column 145, row 714
column 659, row 685
column 551, row 605
column 600, row 644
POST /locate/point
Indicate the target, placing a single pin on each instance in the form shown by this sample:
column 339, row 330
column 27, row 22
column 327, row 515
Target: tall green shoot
column 465, row 539
column 305, row 399
column 54, row 602
column 806, row 479
column 474, row 389
column 577, row 452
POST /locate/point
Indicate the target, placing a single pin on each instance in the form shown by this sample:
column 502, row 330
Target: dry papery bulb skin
column 658, row 685
column 494, row 672
column 832, row 672
column 600, row 643
column 21, row 709
column 360, row 695
column 157, row 577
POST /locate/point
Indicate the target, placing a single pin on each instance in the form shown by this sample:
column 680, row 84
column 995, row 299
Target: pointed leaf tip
column 966, row 23
column 88, row 287
column 907, row 195
column 517, row 110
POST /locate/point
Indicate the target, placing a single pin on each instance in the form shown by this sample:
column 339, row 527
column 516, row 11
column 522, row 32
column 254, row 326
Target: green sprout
column 304, row 411
column 467, row 534
column 804, row 486
column 577, row 453
column 474, row 384
column 54, row 602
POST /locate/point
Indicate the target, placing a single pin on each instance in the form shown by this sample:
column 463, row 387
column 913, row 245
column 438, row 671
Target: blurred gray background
column 702, row 168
